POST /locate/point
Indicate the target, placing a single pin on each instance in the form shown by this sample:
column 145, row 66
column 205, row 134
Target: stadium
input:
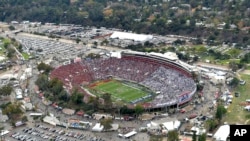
column 159, row 80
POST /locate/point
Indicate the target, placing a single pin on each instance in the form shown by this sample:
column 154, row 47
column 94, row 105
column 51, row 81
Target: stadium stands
column 169, row 79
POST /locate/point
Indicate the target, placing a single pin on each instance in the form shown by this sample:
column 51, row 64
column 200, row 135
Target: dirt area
column 4, row 27
column 188, row 108
column 246, row 72
column 211, row 65
column 146, row 116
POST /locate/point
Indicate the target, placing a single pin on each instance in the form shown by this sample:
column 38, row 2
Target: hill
column 216, row 20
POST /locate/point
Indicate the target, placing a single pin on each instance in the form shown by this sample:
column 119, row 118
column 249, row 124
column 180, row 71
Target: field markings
column 120, row 90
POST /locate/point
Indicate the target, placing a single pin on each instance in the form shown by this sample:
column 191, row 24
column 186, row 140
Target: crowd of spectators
column 72, row 75
column 167, row 82
column 122, row 68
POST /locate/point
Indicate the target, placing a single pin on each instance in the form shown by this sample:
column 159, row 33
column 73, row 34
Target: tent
column 51, row 120
column 98, row 127
column 4, row 132
column 19, row 123
column 132, row 133
column 216, row 79
column 222, row 133
column 19, row 97
column 131, row 36
column 172, row 125
column 199, row 131
column 114, row 127
column 115, row 54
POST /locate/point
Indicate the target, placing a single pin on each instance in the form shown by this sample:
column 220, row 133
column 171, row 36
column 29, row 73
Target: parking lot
column 45, row 132
column 45, row 47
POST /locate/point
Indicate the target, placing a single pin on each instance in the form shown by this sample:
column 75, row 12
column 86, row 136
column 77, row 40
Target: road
column 209, row 91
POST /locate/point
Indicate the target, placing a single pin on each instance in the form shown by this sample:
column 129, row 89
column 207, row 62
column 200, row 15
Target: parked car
column 182, row 110
column 192, row 116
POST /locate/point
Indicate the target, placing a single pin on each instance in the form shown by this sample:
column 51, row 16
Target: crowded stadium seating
column 169, row 79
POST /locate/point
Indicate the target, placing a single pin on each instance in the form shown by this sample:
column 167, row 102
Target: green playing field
column 119, row 90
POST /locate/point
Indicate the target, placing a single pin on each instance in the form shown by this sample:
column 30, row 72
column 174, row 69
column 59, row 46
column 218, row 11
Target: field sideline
column 118, row 90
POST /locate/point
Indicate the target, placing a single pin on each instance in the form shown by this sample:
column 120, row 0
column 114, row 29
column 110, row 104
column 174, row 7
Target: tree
column 195, row 76
column 235, row 81
column 78, row 40
column 200, row 87
column 13, row 110
column 211, row 124
column 42, row 82
column 63, row 95
column 233, row 65
column 55, row 86
column 6, row 90
column 95, row 43
column 245, row 59
column 234, row 52
column 220, row 112
column 77, row 97
column 126, row 110
column 24, row 119
column 12, row 27
column 105, row 42
column 10, row 52
column 179, row 42
column 44, row 67
column 173, row 135
column 95, row 12
column 6, row 43
column 138, row 109
column 118, row 104
column 107, row 101
column 106, row 123
column 20, row 48
column 194, row 137
column 196, row 58
column 202, row 137
column 95, row 102
column 93, row 56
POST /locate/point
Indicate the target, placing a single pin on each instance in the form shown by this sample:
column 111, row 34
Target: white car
column 247, row 108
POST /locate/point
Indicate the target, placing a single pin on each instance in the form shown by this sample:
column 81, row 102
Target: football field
column 119, row 90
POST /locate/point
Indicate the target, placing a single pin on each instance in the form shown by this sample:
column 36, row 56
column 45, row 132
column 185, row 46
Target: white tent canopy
column 115, row 54
column 51, row 120
column 130, row 134
column 222, row 133
column 131, row 36
column 4, row 132
column 172, row 125
column 98, row 127
column 199, row 131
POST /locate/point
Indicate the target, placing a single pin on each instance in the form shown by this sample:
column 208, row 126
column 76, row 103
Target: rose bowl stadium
column 152, row 79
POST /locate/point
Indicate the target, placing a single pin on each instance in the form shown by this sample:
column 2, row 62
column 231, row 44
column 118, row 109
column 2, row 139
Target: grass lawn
column 25, row 55
column 121, row 91
column 248, row 67
column 2, row 49
column 235, row 112
column 206, row 57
